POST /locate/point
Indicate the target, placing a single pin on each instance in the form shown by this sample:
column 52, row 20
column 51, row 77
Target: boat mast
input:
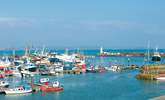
column 26, row 51
column 43, row 50
column 66, row 51
column 14, row 54
column 148, row 53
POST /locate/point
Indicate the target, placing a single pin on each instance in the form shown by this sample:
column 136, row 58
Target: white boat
column 16, row 74
column 4, row 84
column 56, row 68
column 66, row 57
column 16, row 71
column 29, row 69
column 18, row 90
column 156, row 56
column 5, row 62
column 114, row 68
column 160, row 78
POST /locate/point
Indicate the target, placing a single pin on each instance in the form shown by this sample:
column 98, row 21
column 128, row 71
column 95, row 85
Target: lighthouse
column 101, row 50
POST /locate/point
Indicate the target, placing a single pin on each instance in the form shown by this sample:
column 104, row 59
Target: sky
column 82, row 23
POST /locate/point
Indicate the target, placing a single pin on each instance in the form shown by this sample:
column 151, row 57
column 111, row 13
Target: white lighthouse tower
column 101, row 50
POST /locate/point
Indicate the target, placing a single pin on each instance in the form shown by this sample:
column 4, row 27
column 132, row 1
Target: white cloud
column 11, row 22
column 122, row 26
column 108, row 25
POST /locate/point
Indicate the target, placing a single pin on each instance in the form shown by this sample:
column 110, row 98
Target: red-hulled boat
column 50, row 88
column 46, row 88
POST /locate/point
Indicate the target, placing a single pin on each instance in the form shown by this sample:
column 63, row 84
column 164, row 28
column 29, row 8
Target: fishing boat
column 43, row 69
column 66, row 57
column 17, row 68
column 156, row 56
column 102, row 69
column 55, row 87
column 114, row 68
column 18, row 90
column 29, row 69
column 96, row 69
column 4, row 84
column 92, row 69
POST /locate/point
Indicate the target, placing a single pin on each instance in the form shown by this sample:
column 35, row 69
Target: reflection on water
column 18, row 95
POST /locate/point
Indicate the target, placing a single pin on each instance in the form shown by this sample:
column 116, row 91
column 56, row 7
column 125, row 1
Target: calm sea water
column 97, row 86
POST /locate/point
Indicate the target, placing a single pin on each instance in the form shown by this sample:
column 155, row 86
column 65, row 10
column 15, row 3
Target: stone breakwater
column 129, row 54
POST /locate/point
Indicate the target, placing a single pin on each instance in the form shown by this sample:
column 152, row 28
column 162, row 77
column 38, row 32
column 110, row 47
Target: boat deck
column 2, row 89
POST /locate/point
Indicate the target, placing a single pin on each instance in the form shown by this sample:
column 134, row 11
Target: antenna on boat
column 26, row 51
column 78, row 51
column 36, row 49
column 156, row 48
column 43, row 50
column 66, row 51
column 30, row 47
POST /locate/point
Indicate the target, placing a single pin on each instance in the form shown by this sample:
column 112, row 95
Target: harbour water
column 97, row 86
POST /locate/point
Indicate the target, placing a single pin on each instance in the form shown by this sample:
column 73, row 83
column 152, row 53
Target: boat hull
column 50, row 89
column 160, row 78
column 10, row 92
column 156, row 58
column 7, row 85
